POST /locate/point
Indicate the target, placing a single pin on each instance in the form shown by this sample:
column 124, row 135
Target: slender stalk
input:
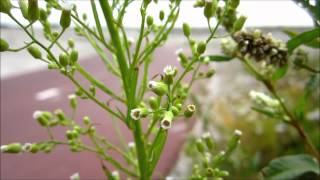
column 96, row 18
column 56, row 39
column 21, row 48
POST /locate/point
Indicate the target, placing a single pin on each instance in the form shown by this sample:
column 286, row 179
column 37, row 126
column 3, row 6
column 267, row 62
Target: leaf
column 218, row 58
column 303, row 38
column 264, row 111
column 157, row 148
column 291, row 167
column 280, row 72
column 315, row 43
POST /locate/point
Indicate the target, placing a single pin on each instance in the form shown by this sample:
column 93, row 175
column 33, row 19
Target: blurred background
column 223, row 100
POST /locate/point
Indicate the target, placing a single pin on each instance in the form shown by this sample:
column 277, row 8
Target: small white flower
column 72, row 96
column 131, row 144
column 263, row 99
column 37, row 114
column 66, row 6
column 191, row 108
column 178, row 51
column 152, row 84
column 237, row 132
column 26, row 147
column 131, row 40
column 3, row 148
column 75, row 176
column 206, row 135
column 115, row 173
column 135, row 114
column 222, row 153
column 170, row 70
column 166, row 124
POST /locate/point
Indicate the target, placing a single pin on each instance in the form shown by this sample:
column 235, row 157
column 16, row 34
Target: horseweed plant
column 170, row 92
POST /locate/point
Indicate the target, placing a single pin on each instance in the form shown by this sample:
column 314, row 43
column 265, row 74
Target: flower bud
column 209, row 172
column 71, row 43
column 169, row 73
column 11, row 148
column 175, row 110
column 208, row 9
column 3, row 45
column 210, row 73
column 24, row 8
column 201, row 48
column 149, row 20
column 42, row 117
column 199, row 3
column 26, row 147
column 233, row 4
column 53, row 66
column 73, row 56
column 34, row 148
column 158, row 88
column 153, row 102
column 115, row 175
column 189, row 110
column 161, row 15
column 86, row 120
column 186, row 29
column 5, row 6
column 73, row 101
column 69, row 135
column 65, row 18
column 33, row 10
column 139, row 113
column 234, row 141
column 200, row 146
column 167, row 120
column 35, row 52
column 43, row 15
column 64, row 59
column 208, row 140
column 237, row 26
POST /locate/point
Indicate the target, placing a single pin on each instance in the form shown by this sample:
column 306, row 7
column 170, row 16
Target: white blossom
column 37, row 114
column 75, row 176
column 135, row 114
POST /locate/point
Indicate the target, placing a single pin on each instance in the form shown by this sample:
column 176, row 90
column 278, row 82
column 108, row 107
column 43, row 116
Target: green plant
column 170, row 93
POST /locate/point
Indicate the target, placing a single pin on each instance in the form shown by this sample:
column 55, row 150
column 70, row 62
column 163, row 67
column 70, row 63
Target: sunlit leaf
column 303, row 38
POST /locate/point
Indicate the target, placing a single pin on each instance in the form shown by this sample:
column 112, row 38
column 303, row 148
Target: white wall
column 260, row 13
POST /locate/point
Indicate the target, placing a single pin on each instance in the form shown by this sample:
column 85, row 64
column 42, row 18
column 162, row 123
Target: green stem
column 96, row 18
column 21, row 48
column 56, row 39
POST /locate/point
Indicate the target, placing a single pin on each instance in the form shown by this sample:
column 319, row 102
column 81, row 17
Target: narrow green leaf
column 280, row 72
column 315, row 43
column 218, row 58
column 291, row 167
column 264, row 111
column 303, row 38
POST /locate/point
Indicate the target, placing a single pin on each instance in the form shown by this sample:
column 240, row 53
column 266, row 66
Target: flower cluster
column 261, row 48
column 208, row 167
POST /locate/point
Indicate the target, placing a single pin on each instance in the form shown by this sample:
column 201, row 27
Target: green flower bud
column 167, row 120
column 11, row 148
column 42, row 117
column 210, row 73
column 201, row 48
column 237, row 26
column 233, row 4
column 222, row 173
column 161, row 15
column 208, row 9
column 153, row 102
column 175, row 110
column 182, row 57
column 199, row 3
column 209, row 172
column 200, row 146
column 86, row 120
column 3, row 45
column 78, row 129
column 169, row 73
column 208, row 140
column 64, row 59
column 186, row 29
column 33, row 10
column 69, row 135
column 71, row 43
column 35, row 52
column 65, row 18
column 43, row 15
column 115, row 175
column 73, row 101
column 34, row 148
column 189, row 110
column 60, row 115
column 73, row 56
column 234, row 141
column 24, row 8
column 53, row 66
column 158, row 88
column 5, row 6
column 149, row 20
column 92, row 89
column 139, row 113
column 84, row 16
